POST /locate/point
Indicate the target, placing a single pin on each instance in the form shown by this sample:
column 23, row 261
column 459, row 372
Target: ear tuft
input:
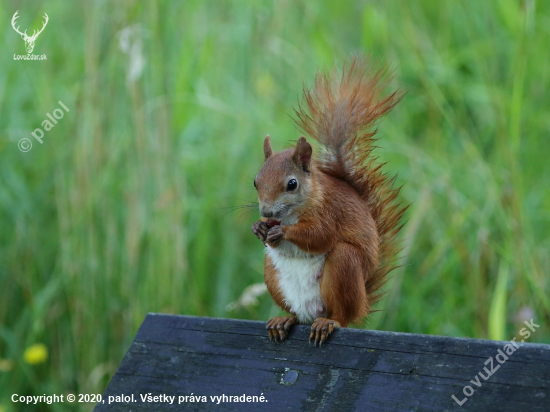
column 302, row 154
column 267, row 147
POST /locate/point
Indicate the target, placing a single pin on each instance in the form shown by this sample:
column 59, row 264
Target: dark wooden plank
column 356, row 370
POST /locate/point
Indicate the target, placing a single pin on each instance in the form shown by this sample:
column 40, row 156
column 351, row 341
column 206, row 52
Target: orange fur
column 345, row 206
column 270, row 277
column 340, row 113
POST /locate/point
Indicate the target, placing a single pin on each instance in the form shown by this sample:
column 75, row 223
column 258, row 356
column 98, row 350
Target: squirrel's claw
column 259, row 229
column 275, row 235
column 268, row 232
column 278, row 327
column 321, row 329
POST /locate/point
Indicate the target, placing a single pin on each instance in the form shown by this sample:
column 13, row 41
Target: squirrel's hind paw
column 321, row 330
column 278, row 327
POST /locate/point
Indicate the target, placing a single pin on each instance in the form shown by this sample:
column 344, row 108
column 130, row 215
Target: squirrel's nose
column 265, row 212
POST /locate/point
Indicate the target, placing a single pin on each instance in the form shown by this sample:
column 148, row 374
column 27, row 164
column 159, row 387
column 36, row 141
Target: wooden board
column 357, row 370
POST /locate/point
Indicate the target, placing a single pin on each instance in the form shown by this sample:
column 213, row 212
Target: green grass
column 127, row 206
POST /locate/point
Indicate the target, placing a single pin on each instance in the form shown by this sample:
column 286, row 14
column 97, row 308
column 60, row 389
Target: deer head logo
column 29, row 40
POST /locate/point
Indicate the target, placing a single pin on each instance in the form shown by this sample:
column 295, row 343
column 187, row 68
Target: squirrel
column 330, row 218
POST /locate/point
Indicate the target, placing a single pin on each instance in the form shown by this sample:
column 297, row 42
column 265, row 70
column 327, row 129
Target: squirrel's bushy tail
column 340, row 113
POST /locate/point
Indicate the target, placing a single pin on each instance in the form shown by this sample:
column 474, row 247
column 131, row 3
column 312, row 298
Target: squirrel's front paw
column 275, row 235
column 260, row 230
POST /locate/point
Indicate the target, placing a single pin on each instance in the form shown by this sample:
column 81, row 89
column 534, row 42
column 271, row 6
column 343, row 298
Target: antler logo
column 29, row 40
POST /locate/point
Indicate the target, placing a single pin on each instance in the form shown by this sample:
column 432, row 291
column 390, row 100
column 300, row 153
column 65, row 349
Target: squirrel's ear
column 302, row 154
column 267, row 147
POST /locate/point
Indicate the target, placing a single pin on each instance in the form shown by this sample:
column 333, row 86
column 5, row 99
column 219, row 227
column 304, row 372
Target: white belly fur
column 299, row 276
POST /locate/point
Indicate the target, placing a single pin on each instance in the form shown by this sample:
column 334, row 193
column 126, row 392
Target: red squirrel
column 329, row 217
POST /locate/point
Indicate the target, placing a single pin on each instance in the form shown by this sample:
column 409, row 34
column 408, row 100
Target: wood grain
column 357, row 370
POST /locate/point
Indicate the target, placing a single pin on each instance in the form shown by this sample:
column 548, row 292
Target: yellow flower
column 35, row 354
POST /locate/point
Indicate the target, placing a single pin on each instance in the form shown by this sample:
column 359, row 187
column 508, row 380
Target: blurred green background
column 129, row 205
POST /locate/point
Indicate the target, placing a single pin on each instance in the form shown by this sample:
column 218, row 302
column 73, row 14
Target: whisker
column 244, row 213
column 248, row 207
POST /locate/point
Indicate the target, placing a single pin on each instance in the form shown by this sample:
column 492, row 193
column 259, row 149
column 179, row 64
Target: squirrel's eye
column 292, row 184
